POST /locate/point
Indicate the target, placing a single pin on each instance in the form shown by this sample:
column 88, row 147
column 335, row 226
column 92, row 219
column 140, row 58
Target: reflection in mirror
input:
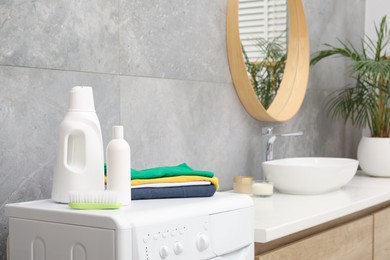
column 263, row 34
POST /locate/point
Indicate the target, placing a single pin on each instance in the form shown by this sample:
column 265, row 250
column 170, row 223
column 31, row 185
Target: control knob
column 164, row 251
column 202, row 242
column 178, row 248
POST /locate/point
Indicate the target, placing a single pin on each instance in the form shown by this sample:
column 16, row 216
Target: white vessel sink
column 311, row 175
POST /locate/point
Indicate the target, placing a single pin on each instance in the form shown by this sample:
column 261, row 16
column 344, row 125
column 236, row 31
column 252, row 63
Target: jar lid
column 243, row 179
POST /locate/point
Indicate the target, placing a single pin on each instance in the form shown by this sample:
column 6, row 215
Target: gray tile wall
column 159, row 68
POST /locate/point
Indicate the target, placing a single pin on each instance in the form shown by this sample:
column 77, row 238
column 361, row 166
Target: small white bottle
column 119, row 165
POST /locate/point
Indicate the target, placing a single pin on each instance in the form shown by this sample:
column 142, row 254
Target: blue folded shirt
column 173, row 192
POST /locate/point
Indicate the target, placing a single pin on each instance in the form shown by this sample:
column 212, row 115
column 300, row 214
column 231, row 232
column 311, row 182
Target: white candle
column 262, row 188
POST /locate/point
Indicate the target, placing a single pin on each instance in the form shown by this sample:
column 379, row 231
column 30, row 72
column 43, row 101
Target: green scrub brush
column 94, row 200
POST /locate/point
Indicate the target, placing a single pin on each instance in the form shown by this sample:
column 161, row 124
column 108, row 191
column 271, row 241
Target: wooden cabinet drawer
column 382, row 235
column 351, row 241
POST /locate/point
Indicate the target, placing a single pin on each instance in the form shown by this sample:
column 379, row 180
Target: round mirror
column 282, row 99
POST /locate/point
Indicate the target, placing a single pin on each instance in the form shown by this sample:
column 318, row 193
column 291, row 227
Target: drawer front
column 382, row 235
column 38, row 240
column 350, row 241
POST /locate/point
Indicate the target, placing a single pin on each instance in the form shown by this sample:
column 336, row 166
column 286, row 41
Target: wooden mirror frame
column 293, row 86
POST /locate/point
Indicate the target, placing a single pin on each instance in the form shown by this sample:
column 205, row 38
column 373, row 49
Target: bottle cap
column 117, row 132
column 81, row 99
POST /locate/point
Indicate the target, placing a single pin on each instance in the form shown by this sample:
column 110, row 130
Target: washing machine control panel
column 181, row 239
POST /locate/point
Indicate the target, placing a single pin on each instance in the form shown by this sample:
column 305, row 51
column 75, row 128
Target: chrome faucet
column 267, row 131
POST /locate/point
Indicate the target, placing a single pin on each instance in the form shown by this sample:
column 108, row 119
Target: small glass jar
column 262, row 188
column 243, row 184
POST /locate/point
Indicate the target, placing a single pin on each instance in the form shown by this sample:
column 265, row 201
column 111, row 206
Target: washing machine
column 218, row 228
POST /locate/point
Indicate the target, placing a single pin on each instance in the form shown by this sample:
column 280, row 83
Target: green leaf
column 368, row 102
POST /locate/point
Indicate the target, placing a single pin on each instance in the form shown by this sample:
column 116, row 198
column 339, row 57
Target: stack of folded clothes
column 179, row 181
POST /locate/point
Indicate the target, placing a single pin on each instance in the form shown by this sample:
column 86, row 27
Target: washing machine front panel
column 38, row 240
column 182, row 239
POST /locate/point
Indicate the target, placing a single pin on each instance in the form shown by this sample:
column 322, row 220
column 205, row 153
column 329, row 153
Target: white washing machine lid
column 139, row 213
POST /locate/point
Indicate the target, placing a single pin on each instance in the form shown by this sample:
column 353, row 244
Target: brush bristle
column 93, row 199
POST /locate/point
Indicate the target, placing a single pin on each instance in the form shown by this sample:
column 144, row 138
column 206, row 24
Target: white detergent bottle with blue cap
column 80, row 157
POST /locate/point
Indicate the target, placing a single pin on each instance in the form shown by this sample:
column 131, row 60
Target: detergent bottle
column 80, row 157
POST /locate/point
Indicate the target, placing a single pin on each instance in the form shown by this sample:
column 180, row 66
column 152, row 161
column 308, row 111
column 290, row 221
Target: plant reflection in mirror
column 367, row 104
column 266, row 73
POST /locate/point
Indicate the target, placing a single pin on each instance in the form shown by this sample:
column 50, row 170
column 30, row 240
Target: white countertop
column 282, row 214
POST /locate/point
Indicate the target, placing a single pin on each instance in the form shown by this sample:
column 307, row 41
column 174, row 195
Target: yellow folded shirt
column 213, row 180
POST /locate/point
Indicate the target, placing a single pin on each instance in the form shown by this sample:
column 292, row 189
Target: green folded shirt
column 168, row 171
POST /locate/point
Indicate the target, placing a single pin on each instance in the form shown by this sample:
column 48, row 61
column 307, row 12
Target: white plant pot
column 374, row 156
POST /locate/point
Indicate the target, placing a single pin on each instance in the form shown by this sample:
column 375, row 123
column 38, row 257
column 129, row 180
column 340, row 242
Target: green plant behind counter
column 367, row 103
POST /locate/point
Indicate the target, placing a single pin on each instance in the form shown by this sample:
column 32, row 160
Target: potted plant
column 367, row 103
